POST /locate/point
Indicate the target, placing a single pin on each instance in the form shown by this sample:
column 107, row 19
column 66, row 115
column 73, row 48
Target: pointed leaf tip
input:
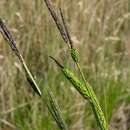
column 61, row 66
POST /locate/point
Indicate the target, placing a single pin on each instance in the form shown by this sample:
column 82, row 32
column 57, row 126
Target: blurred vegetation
column 101, row 33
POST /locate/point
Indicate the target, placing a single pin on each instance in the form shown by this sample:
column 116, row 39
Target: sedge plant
column 48, row 96
column 85, row 89
column 7, row 35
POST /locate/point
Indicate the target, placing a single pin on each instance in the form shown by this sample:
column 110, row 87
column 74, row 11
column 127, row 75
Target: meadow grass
column 100, row 31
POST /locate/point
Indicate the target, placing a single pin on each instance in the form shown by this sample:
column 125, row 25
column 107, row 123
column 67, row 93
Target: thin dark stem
column 56, row 20
column 7, row 36
column 66, row 29
column 61, row 66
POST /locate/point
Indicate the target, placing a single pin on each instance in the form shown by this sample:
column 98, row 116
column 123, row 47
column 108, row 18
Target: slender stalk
column 82, row 75
column 94, row 103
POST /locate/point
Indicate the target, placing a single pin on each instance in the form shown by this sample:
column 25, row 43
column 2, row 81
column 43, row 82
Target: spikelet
column 55, row 111
column 74, row 55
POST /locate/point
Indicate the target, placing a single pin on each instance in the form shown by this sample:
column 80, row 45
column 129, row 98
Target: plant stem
column 94, row 102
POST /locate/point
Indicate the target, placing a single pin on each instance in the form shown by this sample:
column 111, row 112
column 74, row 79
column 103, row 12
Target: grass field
column 100, row 30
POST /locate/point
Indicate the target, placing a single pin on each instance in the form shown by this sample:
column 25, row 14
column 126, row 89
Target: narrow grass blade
column 7, row 35
column 30, row 78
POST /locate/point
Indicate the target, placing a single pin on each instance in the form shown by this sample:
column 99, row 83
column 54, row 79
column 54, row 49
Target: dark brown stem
column 66, row 29
column 6, row 34
column 61, row 66
column 56, row 20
